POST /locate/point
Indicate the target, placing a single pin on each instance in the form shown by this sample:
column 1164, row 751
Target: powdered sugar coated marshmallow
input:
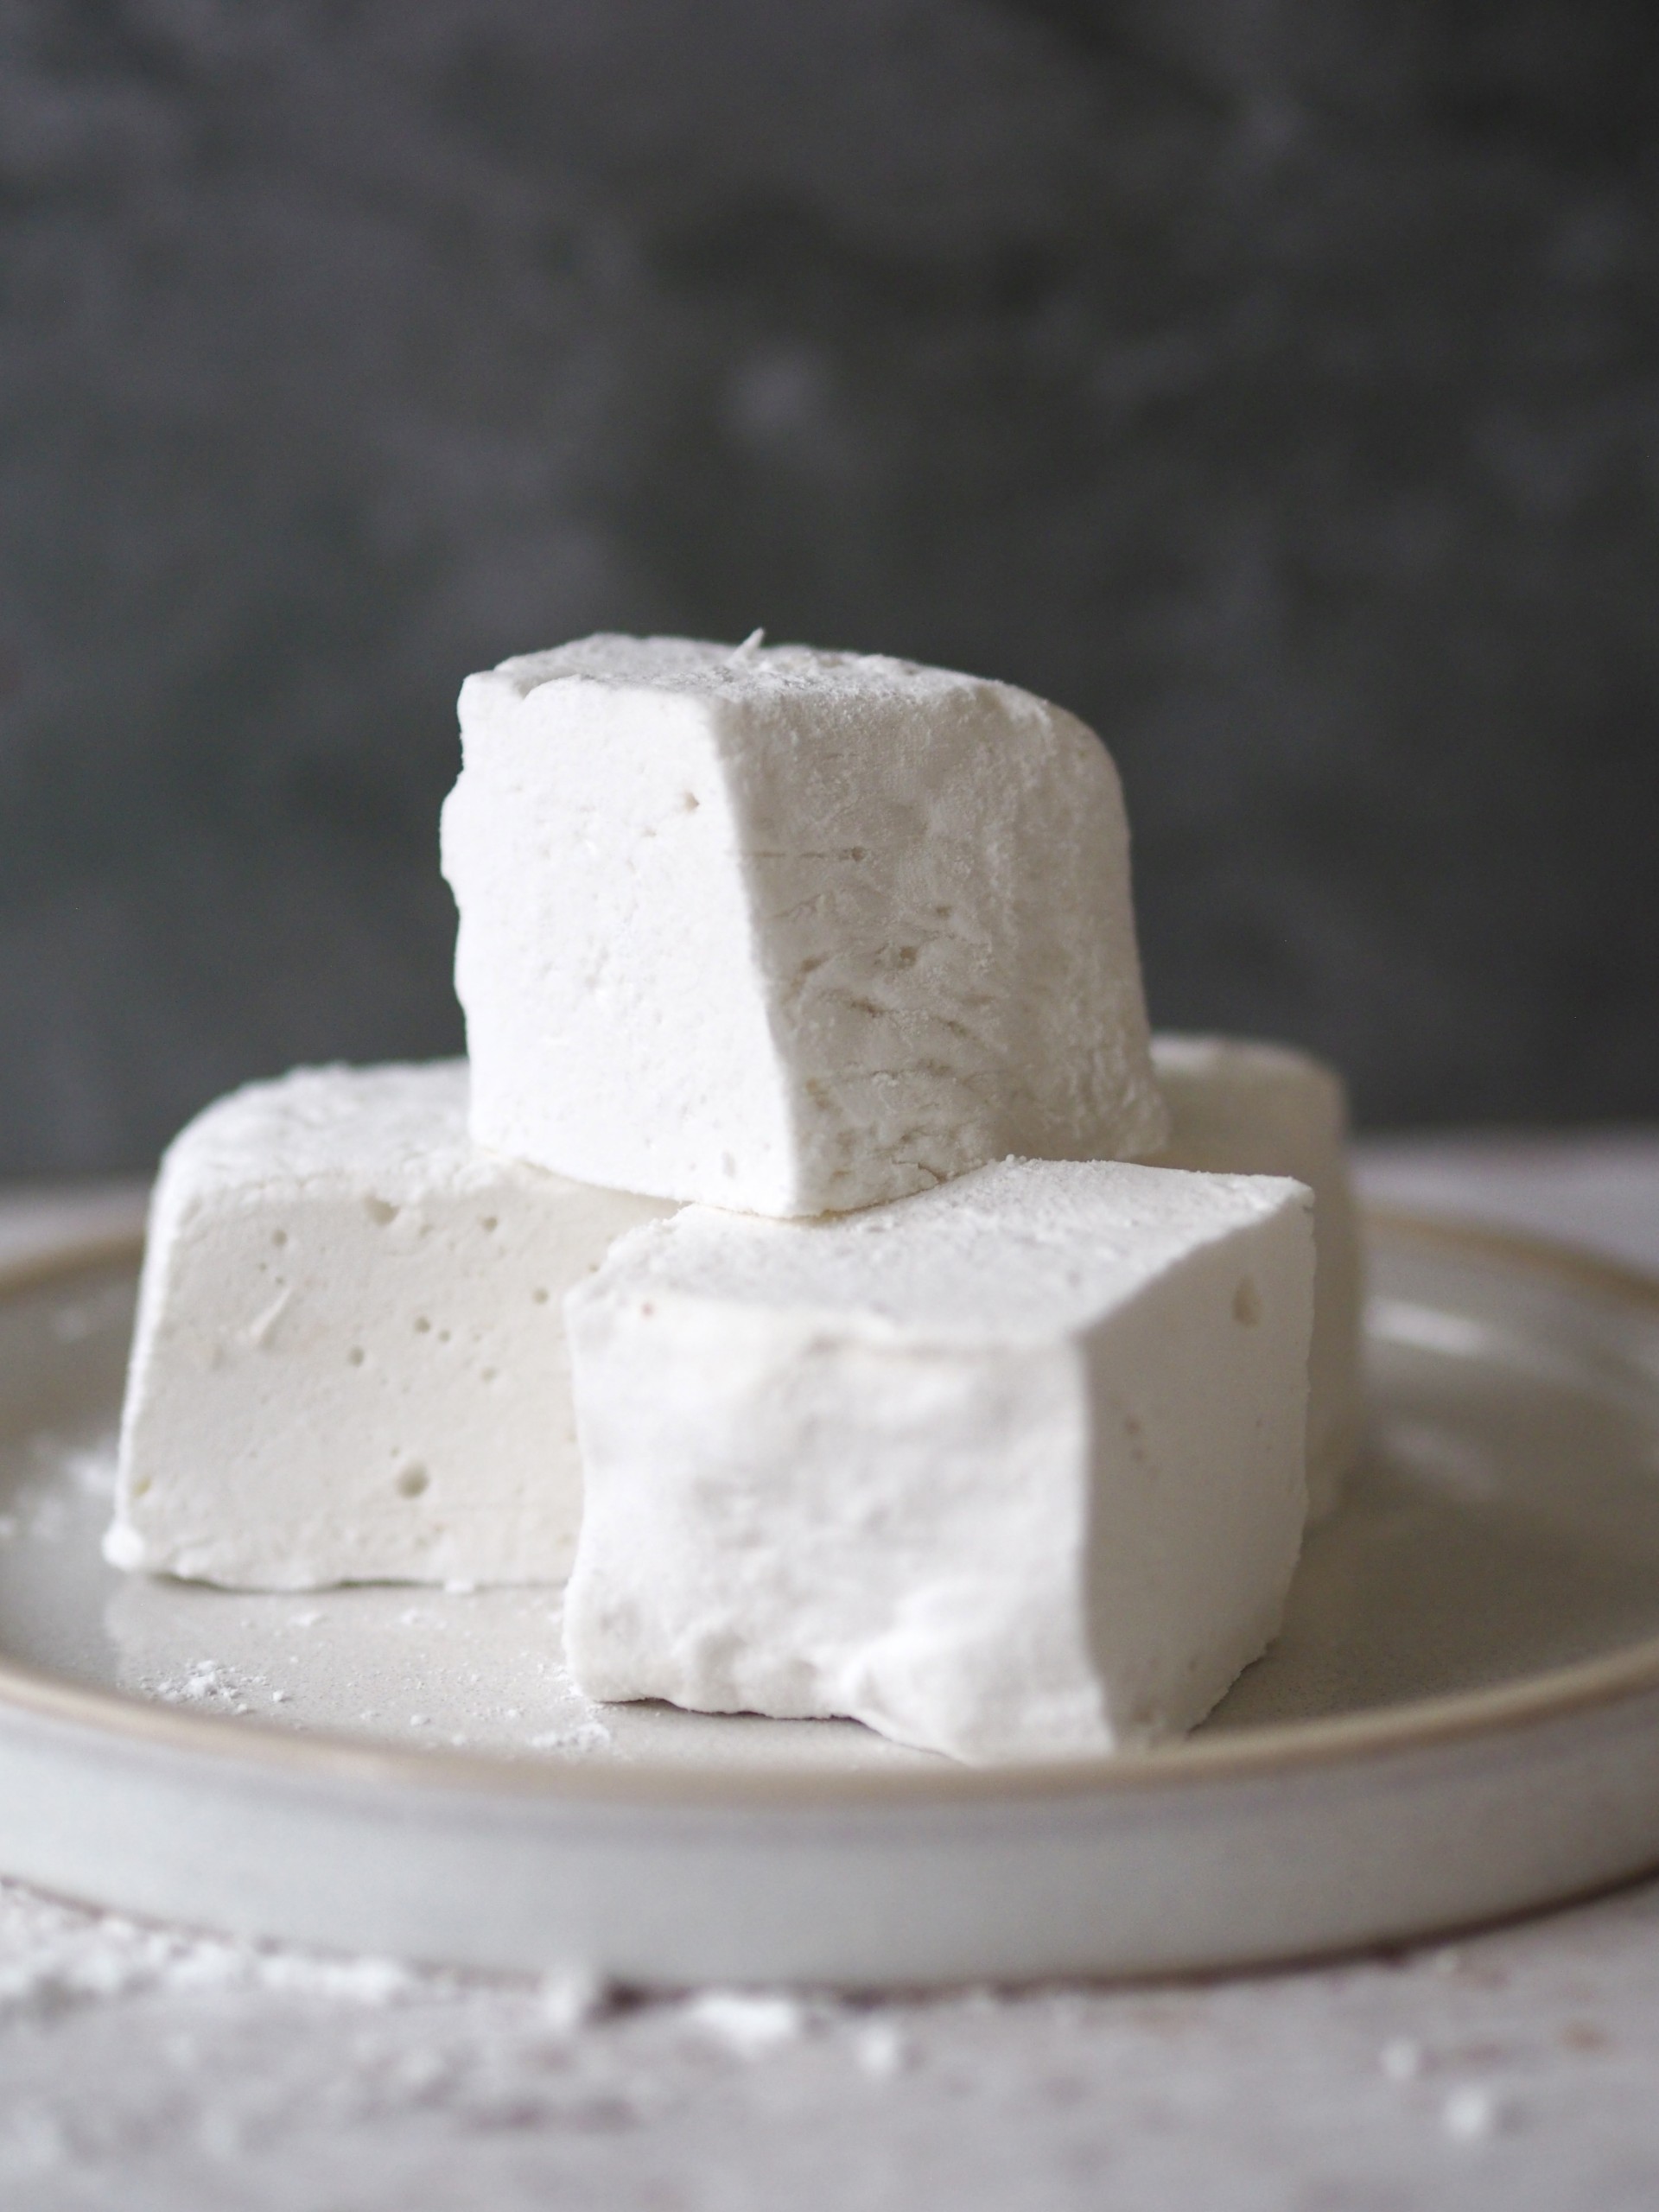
column 1011, row 1469
column 1252, row 1109
column 349, row 1363
column 789, row 931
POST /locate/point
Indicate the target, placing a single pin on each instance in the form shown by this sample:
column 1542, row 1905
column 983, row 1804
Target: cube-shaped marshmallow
column 1243, row 1107
column 349, row 1363
column 1011, row 1469
column 789, row 931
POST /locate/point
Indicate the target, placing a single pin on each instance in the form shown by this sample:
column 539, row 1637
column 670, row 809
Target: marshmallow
column 789, row 931
column 1246, row 1109
column 1013, row 1469
column 349, row 1363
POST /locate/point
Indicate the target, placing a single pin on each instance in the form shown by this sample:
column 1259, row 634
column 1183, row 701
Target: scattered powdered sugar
column 574, row 1736
column 570, row 2001
column 1402, row 2059
column 1471, row 2115
column 882, row 2050
column 747, row 2022
column 351, row 1981
column 214, row 1685
column 59, row 1955
column 210, row 1683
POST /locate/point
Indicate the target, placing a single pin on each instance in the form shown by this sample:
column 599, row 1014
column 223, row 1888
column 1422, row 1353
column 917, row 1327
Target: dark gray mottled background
column 1277, row 386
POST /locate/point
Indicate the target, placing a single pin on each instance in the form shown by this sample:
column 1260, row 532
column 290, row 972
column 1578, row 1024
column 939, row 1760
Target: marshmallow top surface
column 767, row 676
column 402, row 1124
column 789, row 932
column 1020, row 1251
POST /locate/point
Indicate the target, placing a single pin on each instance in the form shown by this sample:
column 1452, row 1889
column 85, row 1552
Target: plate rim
column 1269, row 1750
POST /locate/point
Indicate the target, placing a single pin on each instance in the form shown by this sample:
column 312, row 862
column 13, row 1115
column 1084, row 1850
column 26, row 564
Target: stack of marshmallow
column 775, row 1267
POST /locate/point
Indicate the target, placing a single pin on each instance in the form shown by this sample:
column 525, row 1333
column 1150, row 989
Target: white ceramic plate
column 1461, row 1720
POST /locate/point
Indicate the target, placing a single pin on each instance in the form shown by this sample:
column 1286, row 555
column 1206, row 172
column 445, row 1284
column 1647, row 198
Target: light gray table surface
column 158, row 2071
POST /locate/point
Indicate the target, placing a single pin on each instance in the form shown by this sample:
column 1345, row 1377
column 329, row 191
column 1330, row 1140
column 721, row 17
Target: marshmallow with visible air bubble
column 1245, row 1108
column 349, row 1363
column 1012, row 1469
column 789, row 931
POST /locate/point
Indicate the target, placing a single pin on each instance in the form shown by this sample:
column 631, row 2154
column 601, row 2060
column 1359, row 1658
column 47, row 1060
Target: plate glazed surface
column 1461, row 1718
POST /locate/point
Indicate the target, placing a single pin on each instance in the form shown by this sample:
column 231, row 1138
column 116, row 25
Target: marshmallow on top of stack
column 787, row 931
column 807, row 1048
